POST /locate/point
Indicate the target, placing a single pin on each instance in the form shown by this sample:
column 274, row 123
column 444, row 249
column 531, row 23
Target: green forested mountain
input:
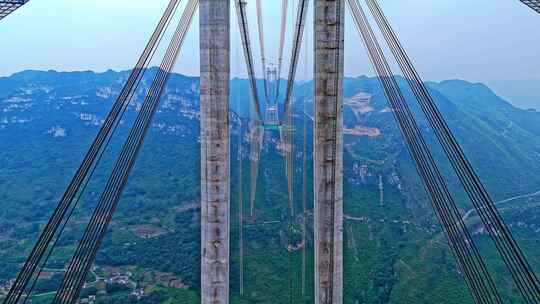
column 394, row 249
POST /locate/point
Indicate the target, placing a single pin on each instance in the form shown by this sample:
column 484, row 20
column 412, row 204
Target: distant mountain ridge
column 480, row 119
column 475, row 113
column 521, row 93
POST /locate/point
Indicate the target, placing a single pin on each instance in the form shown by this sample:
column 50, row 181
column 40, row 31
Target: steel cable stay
column 287, row 128
column 284, row 6
column 287, row 123
column 70, row 214
column 260, row 26
column 297, row 43
column 256, row 125
column 96, row 229
column 90, row 161
column 471, row 264
column 240, row 160
column 437, row 206
column 154, row 92
column 240, row 205
column 248, row 54
column 534, row 4
column 304, row 202
column 287, row 142
column 234, row 116
column 304, row 178
column 83, row 189
column 68, row 295
column 9, row 6
column 256, row 140
column 457, row 233
column 241, row 211
column 523, row 276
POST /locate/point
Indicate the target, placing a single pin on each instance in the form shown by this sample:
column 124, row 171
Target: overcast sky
column 476, row 40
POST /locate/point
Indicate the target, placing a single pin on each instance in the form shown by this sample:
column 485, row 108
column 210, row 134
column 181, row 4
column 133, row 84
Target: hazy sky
column 476, row 40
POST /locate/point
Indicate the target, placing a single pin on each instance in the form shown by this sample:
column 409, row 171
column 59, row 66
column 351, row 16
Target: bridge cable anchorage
column 534, row 4
column 284, row 6
column 90, row 161
column 297, row 43
column 248, row 54
column 467, row 254
column 516, row 262
column 93, row 236
column 260, row 25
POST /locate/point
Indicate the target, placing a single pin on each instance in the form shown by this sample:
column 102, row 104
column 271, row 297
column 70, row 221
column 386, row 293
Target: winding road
column 513, row 198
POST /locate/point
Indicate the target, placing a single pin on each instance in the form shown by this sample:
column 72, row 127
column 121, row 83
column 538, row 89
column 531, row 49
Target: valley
column 394, row 248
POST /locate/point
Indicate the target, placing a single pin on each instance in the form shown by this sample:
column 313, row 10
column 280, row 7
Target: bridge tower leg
column 328, row 151
column 215, row 163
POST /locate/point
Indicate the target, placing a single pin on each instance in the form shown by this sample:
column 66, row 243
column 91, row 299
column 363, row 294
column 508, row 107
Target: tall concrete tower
column 215, row 163
column 328, row 151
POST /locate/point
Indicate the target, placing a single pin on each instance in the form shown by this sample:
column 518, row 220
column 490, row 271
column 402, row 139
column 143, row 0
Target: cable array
column 304, row 201
column 256, row 125
column 248, row 54
column 534, row 4
column 96, row 229
column 287, row 125
column 90, row 161
column 470, row 262
column 9, row 6
column 261, row 46
column 240, row 212
column 241, row 207
column 284, row 6
column 304, row 177
column 297, row 43
column 287, row 142
column 256, row 140
column 522, row 273
column 467, row 254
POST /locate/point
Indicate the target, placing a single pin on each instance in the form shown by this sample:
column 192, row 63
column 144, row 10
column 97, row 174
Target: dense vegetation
column 394, row 250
